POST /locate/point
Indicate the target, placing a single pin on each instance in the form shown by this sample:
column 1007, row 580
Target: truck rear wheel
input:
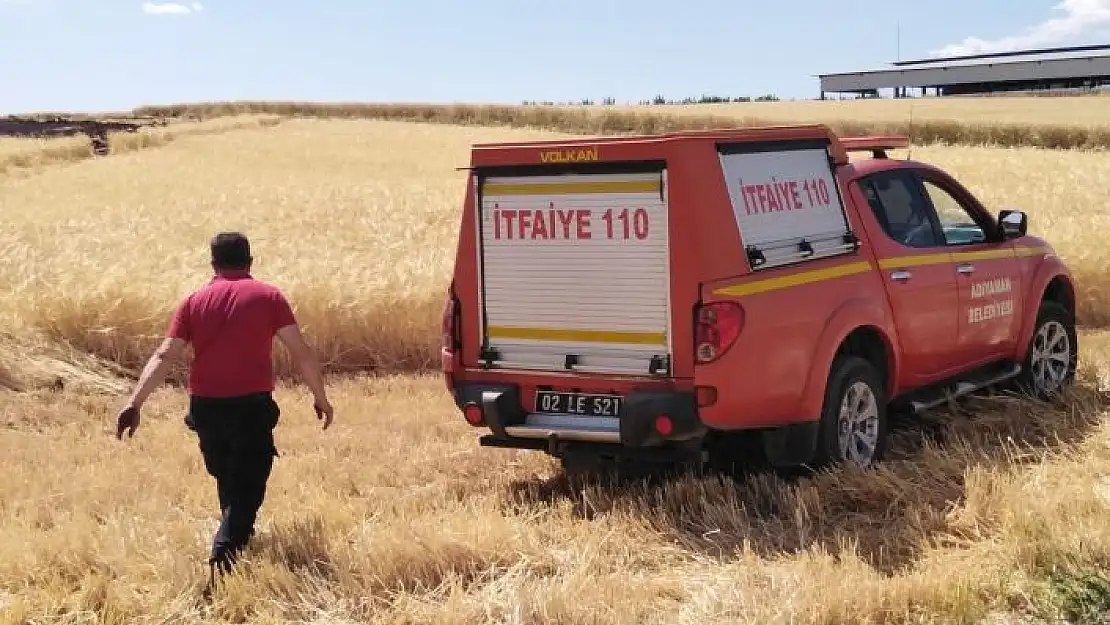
column 854, row 427
column 1053, row 355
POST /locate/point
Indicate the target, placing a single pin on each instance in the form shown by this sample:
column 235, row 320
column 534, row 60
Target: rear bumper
column 511, row 424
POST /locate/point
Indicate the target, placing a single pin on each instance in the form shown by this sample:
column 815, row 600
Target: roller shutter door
column 575, row 272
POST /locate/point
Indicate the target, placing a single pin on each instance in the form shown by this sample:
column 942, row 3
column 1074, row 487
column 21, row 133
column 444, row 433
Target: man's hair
column 231, row 250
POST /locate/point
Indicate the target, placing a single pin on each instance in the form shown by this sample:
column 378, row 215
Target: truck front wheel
column 1053, row 354
column 853, row 426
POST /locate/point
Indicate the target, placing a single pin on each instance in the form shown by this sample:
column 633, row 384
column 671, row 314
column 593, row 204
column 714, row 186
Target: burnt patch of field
column 96, row 130
column 28, row 143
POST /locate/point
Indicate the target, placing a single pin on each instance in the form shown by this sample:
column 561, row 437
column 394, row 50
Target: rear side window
column 903, row 212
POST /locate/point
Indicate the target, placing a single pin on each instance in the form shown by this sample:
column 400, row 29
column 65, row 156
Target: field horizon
column 1078, row 122
column 992, row 511
column 1059, row 122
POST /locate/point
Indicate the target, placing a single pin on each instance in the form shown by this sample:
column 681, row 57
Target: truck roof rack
column 571, row 151
column 878, row 145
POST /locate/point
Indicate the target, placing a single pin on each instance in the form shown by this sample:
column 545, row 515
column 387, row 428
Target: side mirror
column 1012, row 224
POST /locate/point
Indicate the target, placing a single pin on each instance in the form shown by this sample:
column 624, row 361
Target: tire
column 855, row 376
column 1057, row 325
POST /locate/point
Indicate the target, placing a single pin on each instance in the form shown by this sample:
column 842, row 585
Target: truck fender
column 1049, row 270
column 854, row 313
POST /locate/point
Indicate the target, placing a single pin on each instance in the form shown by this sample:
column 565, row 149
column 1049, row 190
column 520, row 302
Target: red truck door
column 920, row 282
column 987, row 274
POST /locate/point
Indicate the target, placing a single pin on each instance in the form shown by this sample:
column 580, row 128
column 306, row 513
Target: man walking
column 230, row 323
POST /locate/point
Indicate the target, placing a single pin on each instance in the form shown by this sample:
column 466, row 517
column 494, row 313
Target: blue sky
column 116, row 54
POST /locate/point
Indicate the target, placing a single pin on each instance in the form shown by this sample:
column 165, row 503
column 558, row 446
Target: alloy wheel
column 1051, row 357
column 858, row 424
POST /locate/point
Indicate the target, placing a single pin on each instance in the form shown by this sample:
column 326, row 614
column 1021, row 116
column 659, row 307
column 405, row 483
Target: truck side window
column 956, row 222
column 900, row 208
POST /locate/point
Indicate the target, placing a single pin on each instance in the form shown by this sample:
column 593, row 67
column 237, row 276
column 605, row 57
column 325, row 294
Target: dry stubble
column 394, row 515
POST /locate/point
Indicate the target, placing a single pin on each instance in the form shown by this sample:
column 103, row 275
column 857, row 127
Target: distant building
column 1075, row 67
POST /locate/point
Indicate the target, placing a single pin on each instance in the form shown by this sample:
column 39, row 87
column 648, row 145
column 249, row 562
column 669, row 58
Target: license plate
column 582, row 404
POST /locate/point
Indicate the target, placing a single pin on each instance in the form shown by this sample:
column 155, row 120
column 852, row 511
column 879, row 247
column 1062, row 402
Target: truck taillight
column 451, row 330
column 716, row 327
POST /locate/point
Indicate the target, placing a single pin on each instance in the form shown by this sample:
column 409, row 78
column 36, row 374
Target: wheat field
column 986, row 512
column 363, row 238
column 1054, row 123
column 356, row 221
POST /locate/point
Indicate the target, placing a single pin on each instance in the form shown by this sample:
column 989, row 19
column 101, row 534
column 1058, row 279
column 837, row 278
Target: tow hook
column 552, row 443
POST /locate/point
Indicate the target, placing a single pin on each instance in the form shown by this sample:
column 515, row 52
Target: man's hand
column 127, row 419
column 153, row 374
column 324, row 411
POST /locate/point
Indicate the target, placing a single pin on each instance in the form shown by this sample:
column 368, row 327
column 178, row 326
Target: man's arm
column 287, row 329
column 309, row 365
column 154, row 373
column 306, row 360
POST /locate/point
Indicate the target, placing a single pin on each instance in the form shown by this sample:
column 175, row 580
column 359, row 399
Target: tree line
column 659, row 100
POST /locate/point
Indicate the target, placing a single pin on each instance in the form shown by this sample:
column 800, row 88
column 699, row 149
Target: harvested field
column 394, row 515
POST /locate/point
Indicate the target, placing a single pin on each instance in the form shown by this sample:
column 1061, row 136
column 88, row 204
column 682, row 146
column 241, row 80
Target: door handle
column 901, row 275
column 965, row 268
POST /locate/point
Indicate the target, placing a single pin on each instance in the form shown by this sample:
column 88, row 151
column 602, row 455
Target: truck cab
column 670, row 296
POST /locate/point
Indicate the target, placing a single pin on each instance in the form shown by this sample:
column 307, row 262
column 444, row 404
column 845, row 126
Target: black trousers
column 237, row 442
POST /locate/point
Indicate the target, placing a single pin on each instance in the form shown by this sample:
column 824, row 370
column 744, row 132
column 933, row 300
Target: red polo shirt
column 231, row 323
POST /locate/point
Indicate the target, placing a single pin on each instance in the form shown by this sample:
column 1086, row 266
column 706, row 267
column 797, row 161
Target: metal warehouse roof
column 1060, row 52
column 1024, row 65
column 990, row 58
